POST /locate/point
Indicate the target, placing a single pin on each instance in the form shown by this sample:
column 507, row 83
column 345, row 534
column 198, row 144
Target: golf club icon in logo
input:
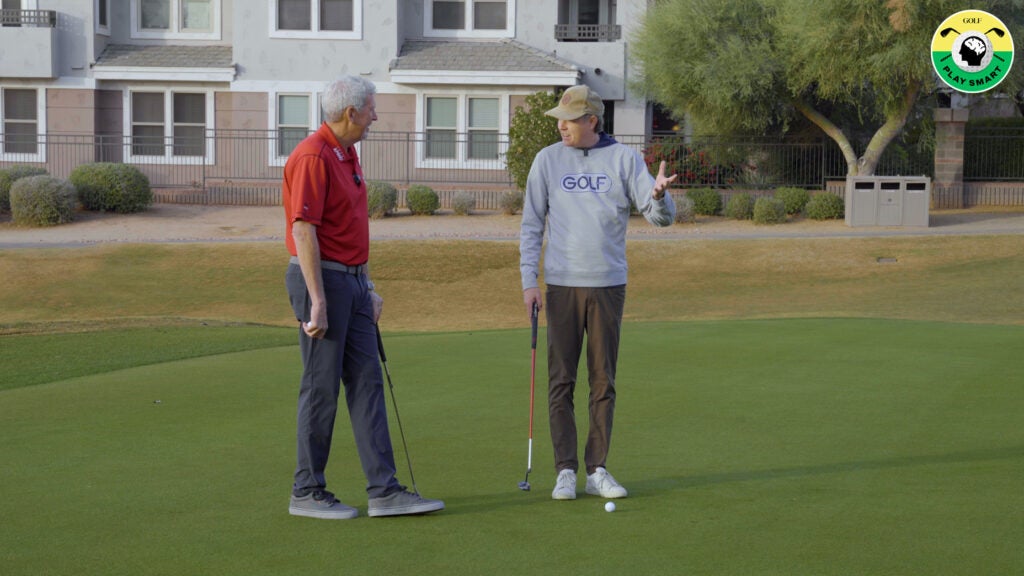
column 972, row 51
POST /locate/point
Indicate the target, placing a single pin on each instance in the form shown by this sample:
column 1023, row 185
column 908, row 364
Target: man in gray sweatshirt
column 581, row 189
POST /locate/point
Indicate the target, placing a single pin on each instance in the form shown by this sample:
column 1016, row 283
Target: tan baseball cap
column 576, row 102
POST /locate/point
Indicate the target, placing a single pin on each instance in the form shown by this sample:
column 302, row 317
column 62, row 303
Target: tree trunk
column 888, row 131
column 864, row 165
column 833, row 132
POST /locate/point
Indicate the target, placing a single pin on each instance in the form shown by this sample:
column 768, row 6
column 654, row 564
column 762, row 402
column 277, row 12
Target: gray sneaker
column 320, row 504
column 403, row 503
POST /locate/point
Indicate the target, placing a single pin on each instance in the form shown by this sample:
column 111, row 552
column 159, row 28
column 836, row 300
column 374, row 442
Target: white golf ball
column 609, row 507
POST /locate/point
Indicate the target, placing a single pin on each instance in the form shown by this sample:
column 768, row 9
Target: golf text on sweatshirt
column 584, row 195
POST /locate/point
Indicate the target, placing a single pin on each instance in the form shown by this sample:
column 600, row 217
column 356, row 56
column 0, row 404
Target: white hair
column 344, row 92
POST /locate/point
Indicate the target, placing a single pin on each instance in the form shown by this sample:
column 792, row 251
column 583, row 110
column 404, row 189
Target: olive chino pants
column 573, row 313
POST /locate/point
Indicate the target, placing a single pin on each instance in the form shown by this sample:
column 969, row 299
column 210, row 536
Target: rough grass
column 471, row 285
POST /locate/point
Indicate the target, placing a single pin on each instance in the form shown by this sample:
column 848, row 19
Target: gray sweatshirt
column 584, row 195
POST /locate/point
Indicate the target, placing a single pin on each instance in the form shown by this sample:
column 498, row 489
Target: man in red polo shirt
column 328, row 236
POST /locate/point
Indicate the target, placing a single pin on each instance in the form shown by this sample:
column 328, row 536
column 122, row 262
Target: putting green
column 808, row 446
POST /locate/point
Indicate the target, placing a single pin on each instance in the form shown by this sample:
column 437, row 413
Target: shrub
column 740, row 206
column 112, row 187
column 422, row 199
column 824, row 206
column 706, row 201
column 769, row 210
column 381, row 198
column 463, row 203
column 512, row 202
column 43, row 201
column 795, row 199
column 684, row 208
column 9, row 176
column 529, row 132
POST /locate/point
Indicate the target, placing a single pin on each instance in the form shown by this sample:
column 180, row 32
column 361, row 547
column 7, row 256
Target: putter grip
column 380, row 345
column 533, row 327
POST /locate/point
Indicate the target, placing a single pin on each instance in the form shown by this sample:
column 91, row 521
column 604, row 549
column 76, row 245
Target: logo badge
column 593, row 183
column 972, row 51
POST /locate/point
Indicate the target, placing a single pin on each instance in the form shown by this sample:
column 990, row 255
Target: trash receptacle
column 887, row 200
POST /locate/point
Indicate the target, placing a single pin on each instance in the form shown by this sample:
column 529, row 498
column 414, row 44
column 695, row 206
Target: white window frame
column 313, row 121
column 314, row 23
column 103, row 29
column 174, row 32
column 468, row 32
column 168, row 156
column 40, row 155
column 461, row 160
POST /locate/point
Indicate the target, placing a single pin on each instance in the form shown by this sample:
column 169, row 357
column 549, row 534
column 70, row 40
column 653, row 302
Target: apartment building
column 164, row 83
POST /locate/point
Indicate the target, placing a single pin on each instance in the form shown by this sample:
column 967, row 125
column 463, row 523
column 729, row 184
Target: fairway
column 782, row 446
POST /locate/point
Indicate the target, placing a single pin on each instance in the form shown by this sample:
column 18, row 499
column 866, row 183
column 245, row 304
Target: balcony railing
column 587, row 32
column 30, row 18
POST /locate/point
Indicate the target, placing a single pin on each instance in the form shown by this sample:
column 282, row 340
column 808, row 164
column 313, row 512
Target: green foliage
column 824, row 206
column 9, row 175
column 769, row 210
column 42, row 201
column 695, row 164
column 756, row 66
column 381, row 198
column 112, row 187
column 422, row 200
column 463, row 203
column 684, row 208
column 740, row 206
column 706, row 201
column 530, row 131
column 795, row 199
column 512, row 202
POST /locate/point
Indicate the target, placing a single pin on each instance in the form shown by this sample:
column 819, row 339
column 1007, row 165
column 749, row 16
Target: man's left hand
column 661, row 182
column 378, row 306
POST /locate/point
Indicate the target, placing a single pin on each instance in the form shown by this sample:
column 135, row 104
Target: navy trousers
column 347, row 355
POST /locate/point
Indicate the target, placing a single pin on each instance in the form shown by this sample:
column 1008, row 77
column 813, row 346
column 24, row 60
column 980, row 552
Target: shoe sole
column 405, row 510
column 323, row 514
column 608, row 495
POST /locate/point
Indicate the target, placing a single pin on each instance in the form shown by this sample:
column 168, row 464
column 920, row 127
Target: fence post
column 948, row 186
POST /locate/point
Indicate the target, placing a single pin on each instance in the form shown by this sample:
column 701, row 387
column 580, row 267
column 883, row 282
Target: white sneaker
column 601, row 483
column 565, row 486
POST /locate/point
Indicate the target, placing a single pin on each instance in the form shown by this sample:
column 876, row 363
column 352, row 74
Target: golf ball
column 609, row 507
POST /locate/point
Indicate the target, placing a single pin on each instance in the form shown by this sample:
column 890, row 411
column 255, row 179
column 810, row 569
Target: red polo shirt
column 324, row 186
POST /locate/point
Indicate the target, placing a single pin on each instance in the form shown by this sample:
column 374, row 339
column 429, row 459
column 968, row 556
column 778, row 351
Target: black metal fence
column 247, row 158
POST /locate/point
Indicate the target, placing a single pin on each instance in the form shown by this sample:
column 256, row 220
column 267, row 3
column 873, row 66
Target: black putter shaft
column 525, row 484
column 401, row 432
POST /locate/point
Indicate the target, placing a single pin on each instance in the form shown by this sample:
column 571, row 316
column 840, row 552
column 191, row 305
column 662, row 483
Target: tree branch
column 830, row 130
column 888, row 131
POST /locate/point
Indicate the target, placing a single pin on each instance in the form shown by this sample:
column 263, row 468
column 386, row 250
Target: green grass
column 791, row 446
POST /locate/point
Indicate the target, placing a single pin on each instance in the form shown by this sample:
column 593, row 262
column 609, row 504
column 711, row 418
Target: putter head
column 524, row 486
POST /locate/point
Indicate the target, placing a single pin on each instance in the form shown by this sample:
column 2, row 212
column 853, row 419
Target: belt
column 359, row 270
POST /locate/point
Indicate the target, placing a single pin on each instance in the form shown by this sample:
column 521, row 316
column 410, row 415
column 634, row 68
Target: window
column 441, row 127
column 169, row 126
column 102, row 11
column 293, row 116
column 463, row 131
column 20, row 110
column 470, row 18
column 184, row 19
column 483, row 129
column 326, row 19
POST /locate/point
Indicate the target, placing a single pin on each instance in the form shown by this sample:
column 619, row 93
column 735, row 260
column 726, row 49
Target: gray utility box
column 887, row 200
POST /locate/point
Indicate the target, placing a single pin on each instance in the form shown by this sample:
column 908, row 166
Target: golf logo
column 972, row 51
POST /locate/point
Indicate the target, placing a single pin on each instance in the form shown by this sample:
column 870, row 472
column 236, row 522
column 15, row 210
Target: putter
column 525, row 484
column 401, row 432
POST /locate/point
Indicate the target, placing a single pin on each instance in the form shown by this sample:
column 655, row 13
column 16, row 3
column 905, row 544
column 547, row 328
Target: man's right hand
column 317, row 325
column 532, row 297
